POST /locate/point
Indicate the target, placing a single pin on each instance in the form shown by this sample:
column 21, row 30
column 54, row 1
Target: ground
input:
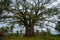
column 31, row 38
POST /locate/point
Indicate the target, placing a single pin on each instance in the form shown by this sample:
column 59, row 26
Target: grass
column 22, row 38
column 31, row 38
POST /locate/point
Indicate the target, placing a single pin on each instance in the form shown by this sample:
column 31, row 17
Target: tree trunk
column 29, row 31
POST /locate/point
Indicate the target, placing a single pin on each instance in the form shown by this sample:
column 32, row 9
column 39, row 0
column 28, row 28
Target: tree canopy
column 27, row 13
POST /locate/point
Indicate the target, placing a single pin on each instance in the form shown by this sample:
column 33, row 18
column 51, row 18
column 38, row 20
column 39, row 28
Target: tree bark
column 29, row 31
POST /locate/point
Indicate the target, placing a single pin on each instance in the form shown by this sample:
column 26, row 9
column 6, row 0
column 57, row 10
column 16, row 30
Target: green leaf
column 41, row 8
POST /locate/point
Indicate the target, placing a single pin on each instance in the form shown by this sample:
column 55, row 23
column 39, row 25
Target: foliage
column 4, row 29
column 4, row 4
column 25, row 16
column 58, row 26
column 11, row 28
column 26, row 13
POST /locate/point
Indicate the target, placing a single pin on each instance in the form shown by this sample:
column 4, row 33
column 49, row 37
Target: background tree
column 4, row 30
column 58, row 27
column 11, row 28
column 28, row 14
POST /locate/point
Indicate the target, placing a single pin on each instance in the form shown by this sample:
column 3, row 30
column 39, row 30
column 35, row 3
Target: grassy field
column 31, row 38
column 22, row 38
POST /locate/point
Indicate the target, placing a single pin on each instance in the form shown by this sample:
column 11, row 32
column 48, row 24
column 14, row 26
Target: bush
column 1, row 34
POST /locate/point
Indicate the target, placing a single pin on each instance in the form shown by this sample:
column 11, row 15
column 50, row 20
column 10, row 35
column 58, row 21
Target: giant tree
column 29, row 13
